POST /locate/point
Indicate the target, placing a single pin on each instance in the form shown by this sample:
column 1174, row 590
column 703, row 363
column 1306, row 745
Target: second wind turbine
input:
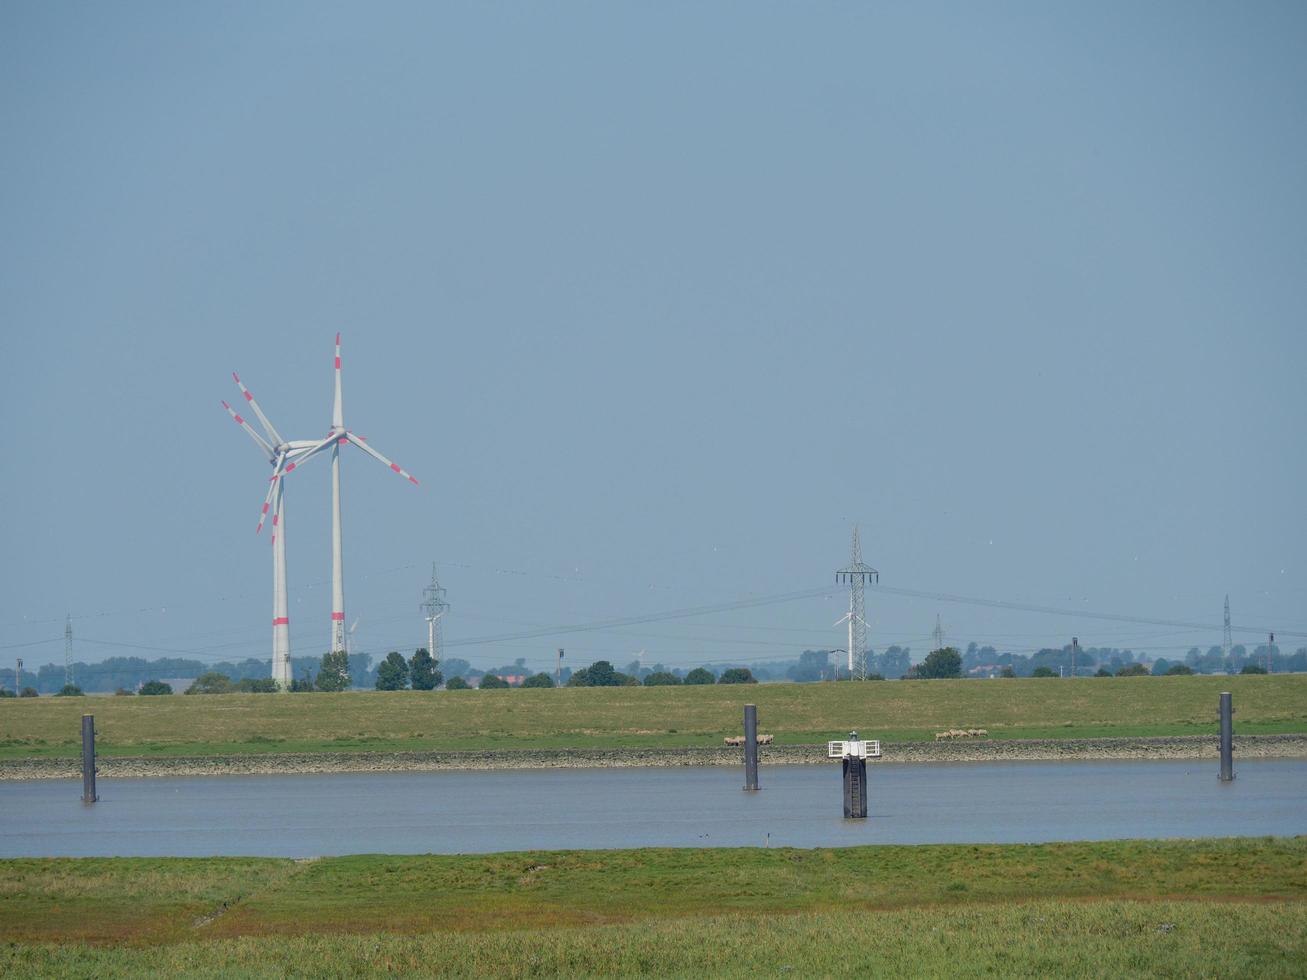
column 337, row 437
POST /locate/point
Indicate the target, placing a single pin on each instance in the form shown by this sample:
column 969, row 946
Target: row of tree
column 337, row 671
column 395, row 674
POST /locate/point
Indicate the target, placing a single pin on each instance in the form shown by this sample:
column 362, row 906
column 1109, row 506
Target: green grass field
column 647, row 717
column 1234, row 907
column 1118, row 939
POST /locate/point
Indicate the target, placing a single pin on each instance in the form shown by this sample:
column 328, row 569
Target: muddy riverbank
column 980, row 750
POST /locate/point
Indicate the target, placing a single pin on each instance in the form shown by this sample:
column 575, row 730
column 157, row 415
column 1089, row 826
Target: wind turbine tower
column 857, row 574
column 435, row 606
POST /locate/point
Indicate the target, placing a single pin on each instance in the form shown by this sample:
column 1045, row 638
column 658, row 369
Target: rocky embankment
column 971, row 750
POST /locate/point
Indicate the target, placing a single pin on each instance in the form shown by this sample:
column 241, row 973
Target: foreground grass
column 161, row 900
column 1037, row 939
column 1235, row 907
column 579, row 718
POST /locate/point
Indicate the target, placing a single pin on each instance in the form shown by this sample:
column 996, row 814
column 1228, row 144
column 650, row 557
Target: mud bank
column 984, row 750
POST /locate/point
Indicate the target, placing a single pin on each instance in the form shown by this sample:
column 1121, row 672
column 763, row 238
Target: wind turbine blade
column 276, row 510
column 263, row 443
column 273, row 434
column 376, row 455
column 270, row 498
column 337, row 412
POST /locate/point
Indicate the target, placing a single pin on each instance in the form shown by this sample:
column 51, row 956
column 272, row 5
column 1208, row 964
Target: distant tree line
column 129, row 673
column 986, row 661
column 336, row 671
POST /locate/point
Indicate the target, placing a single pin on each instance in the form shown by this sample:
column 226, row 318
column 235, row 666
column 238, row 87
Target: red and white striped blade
column 274, row 492
column 337, row 411
column 273, row 434
column 376, row 455
column 276, row 510
column 268, row 501
column 239, row 420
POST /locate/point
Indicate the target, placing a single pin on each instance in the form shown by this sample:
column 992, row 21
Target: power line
column 686, row 613
column 1079, row 613
column 637, row 620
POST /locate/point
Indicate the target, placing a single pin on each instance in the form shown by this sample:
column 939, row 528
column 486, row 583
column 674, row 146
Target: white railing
column 862, row 749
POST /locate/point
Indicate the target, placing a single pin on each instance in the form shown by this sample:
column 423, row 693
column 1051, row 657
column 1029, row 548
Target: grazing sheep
column 739, row 739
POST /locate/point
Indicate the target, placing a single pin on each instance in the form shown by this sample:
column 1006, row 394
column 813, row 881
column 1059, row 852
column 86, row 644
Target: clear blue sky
column 655, row 300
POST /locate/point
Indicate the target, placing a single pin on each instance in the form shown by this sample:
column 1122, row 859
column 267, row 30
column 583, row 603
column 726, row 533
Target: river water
column 801, row 806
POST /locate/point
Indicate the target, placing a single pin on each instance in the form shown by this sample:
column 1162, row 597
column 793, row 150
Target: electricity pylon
column 435, row 606
column 857, row 574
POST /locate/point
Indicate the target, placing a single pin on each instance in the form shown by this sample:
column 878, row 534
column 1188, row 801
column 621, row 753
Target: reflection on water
column 464, row 812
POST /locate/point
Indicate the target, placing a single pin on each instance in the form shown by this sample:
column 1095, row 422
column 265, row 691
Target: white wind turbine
column 337, row 437
column 281, row 454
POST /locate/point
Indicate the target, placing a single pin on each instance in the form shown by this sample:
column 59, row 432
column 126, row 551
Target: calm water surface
column 465, row 812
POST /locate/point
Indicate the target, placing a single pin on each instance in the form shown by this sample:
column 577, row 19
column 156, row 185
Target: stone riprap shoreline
column 978, row 750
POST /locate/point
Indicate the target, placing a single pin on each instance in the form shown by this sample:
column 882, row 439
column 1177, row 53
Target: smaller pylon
column 68, row 651
column 938, row 633
column 1225, row 640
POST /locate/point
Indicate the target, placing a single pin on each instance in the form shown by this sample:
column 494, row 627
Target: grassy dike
column 640, row 717
column 1232, row 907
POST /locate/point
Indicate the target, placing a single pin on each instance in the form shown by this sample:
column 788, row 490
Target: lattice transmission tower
column 435, row 606
column 857, row 575
column 68, row 651
column 1225, row 641
column 938, row 633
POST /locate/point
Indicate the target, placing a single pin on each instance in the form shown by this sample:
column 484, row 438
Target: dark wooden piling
column 88, row 759
column 750, row 746
column 1227, row 738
